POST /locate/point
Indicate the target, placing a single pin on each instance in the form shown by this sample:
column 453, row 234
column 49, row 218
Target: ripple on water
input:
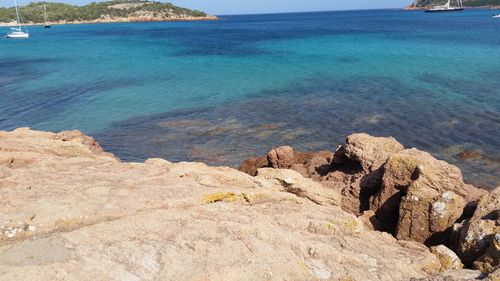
column 316, row 115
column 14, row 70
column 28, row 106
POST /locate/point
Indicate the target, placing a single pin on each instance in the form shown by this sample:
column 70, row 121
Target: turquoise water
column 222, row 91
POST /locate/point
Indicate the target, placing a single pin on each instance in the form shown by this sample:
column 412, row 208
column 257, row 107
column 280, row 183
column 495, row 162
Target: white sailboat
column 17, row 32
column 497, row 16
column 447, row 7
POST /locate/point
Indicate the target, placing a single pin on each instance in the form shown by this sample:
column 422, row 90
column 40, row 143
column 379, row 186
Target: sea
column 222, row 91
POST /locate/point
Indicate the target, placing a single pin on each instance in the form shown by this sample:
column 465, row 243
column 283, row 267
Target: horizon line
column 310, row 11
column 224, row 14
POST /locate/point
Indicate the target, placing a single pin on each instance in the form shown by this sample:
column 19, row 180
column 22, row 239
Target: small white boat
column 497, row 16
column 17, row 32
column 447, row 8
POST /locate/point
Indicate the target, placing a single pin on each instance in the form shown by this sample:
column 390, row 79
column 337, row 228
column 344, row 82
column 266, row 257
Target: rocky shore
column 115, row 11
column 372, row 210
column 120, row 20
column 413, row 7
column 479, row 4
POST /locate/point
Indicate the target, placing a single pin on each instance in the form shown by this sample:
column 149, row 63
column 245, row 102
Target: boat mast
column 45, row 13
column 17, row 14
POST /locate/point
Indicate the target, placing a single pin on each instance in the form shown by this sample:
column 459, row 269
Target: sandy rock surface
column 69, row 211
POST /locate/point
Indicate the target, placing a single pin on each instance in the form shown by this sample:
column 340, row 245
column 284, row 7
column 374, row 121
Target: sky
column 230, row 7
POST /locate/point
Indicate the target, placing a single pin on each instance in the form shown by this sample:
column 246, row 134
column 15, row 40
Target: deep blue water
column 225, row 90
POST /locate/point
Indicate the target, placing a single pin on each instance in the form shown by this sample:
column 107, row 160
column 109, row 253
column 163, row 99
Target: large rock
column 355, row 185
column 425, row 215
column 480, row 236
column 69, row 213
column 434, row 195
column 281, row 157
column 371, row 152
column 356, row 169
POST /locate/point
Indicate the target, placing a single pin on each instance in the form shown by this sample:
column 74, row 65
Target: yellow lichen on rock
column 447, row 258
column 68, row 224
column 221, row 196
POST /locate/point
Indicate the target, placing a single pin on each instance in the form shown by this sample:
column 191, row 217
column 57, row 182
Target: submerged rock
column 467, row 155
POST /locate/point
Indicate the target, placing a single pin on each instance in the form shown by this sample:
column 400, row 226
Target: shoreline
column 65, row 186
column 119, row 20
column 487, row 7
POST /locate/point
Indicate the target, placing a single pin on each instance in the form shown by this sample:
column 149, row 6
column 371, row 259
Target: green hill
column 467, row 3
column 110, row 10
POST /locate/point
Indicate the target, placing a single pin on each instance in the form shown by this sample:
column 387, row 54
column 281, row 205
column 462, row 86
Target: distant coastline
column 116, row 20
column 489, row 7
column 114, row 11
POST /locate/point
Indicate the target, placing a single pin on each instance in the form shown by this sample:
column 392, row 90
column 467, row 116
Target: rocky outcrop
column 413, row 195
column 479, row 243
column 408, row 193
column 467, row 3
column 426, row 216
column 354, row 169
column 70, row 211
column 281, row 157
column 370, row 152
column 428, row 185
column 358, row 168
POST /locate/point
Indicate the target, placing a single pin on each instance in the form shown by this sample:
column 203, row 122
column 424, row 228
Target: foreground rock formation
column 405, row 192
column 70, row 211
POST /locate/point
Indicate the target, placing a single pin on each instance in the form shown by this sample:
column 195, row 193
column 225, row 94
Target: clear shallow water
column 223, row 91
